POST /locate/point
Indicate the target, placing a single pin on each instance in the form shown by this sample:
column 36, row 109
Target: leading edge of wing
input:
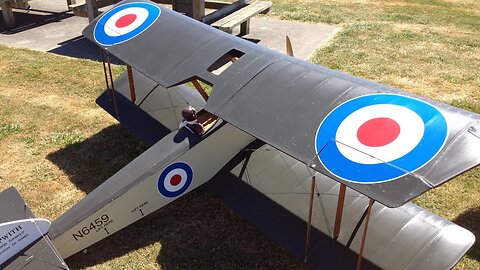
column 171, row 48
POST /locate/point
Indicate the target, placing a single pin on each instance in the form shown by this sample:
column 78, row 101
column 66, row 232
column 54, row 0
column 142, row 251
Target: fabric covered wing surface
column 176, row 48
column 312, row 113
column 286, row 103
column 398, row 238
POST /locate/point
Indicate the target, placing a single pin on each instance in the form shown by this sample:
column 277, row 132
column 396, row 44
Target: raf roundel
column 125, row 22
column 175, row 179
column 380, row 137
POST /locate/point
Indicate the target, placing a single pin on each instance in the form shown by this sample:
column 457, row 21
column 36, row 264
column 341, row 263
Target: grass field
column 56, row 145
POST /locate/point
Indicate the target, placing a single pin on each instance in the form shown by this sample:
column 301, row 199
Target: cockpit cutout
column 225, row 61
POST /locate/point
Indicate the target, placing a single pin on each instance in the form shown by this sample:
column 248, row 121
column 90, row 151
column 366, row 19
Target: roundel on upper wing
column 125, row 22
column 380, row 137
column 175, row 179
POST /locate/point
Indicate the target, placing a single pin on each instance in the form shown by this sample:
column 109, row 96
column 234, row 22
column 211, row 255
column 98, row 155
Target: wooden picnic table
column 192, row 8
column 225, row 17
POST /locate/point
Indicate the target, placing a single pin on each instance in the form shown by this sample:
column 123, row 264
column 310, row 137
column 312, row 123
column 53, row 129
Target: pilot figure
column 190, row 121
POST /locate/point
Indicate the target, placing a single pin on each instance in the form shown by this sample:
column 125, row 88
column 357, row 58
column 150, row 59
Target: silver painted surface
column 407, row 237
column 133, row 193
column 165, row 105
column 39, row 256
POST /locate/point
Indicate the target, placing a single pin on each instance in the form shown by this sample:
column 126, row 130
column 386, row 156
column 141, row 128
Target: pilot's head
column 189, row 114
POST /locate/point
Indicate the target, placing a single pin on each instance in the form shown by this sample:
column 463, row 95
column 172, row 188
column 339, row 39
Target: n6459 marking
column 96, row 225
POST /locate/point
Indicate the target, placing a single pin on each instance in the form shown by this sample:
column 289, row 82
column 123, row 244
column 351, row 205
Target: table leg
column 245, row 28
column 92, row 9
column 198, row 9
column 7, row 13
column 69, row 3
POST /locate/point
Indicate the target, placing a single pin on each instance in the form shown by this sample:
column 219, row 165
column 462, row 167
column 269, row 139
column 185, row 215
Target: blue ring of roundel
column 102, row 38
column 161, row 180
column 433, row 139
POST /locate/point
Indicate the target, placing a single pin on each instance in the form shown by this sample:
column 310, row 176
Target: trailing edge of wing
column 291, row 105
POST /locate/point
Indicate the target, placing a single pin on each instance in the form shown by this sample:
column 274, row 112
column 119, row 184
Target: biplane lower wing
column 383, row 142
column 156, row 110
column 271, row 190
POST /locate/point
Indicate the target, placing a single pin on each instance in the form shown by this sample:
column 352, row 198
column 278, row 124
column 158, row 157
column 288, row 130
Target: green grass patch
column 467, row 104
column 66, row 138
column 8, row 129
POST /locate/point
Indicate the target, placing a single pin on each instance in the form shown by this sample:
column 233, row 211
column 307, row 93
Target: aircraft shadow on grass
column 26, row 20
column 91, row 162
column 470, row 220
column 81, row 47
column 197, row 231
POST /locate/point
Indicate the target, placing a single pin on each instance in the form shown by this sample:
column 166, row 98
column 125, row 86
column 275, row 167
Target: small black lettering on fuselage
column 96, row 225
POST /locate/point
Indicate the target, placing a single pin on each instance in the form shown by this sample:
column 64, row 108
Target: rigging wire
column 324, row 211
column 33, row 257
column 173, row 107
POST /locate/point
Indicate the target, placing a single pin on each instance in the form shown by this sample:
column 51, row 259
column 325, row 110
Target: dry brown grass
column 57, row 145
column 52, row 136
column 434, row 45
column 36, row 97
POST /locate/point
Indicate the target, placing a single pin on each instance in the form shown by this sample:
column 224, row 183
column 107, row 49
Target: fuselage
column 155, row 178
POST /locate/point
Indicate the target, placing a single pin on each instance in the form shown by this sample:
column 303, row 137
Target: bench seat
column 242, row 17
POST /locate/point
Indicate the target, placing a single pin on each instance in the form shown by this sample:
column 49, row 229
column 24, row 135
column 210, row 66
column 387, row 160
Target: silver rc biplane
column 289, row 135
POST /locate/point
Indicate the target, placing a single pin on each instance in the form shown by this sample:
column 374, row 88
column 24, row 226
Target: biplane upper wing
column 383, row 142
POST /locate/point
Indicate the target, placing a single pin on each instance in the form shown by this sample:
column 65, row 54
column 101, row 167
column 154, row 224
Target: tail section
column 23, row 240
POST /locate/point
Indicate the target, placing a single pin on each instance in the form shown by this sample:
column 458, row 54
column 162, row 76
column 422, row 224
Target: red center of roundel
column 378, row 132
column 125, row 20
column 175, row 180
